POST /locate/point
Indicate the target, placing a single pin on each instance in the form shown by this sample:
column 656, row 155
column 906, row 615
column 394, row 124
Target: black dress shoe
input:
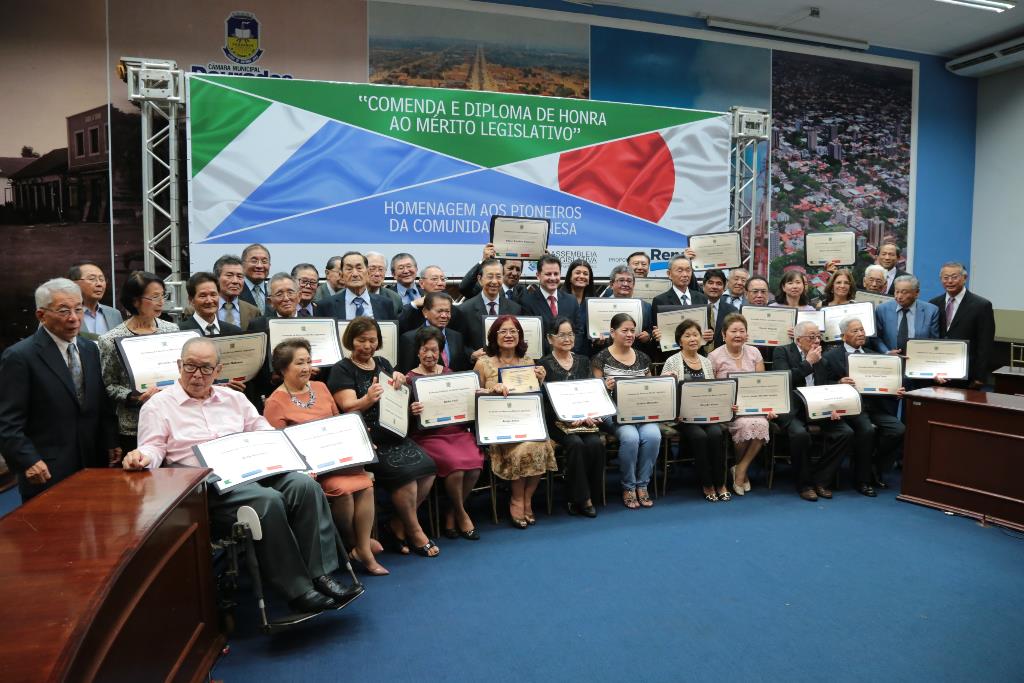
column 866, row 490
column 311, row 602
column 332, row 589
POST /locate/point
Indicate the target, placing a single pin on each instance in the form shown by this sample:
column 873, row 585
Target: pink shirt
column 172, row 422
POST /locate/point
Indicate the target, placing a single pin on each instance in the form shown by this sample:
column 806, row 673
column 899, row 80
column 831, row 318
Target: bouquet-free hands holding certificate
column 519, row 379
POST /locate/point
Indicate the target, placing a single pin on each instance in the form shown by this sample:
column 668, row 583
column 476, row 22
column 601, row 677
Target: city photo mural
column 841, row 153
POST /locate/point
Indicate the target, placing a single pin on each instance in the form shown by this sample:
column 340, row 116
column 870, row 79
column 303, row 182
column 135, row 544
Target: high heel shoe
column 518, row 523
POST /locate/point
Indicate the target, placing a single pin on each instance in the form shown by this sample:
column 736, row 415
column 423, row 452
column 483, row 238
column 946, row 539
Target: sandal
column 629, row 500
column 531, row 520
column 471, row 535
column 724, row 496
column 645, row 500
column 424, row 551
column 451, row 533
column 518, row 523
column 398, row 544
column 711, row 497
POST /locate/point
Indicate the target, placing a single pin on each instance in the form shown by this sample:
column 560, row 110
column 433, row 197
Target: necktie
column 684, row 300
column 903, row 333
column 75, row 366
column 710, row 346
column 444, row 354
column 508, row 293
column 304, row 313
column 211, row 330
column 229, row 312
column 553, row 305
column 410, row 295
column 358, row 301
column 491, row 306
column 950, row 309
column 260, row 296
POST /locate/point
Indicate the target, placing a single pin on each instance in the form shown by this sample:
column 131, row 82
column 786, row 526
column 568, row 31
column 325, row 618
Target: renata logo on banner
column 241, row 47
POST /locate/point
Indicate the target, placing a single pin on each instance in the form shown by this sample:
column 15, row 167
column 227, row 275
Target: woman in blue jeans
column 638, row 444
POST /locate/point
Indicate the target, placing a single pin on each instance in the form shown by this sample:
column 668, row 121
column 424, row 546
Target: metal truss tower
column 157, row 86
column 750, row 127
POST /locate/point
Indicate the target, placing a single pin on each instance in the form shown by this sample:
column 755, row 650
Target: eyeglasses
column 564, row 335
column 95, row 279
column 436, row 278
column 258, row 261
column 308, row 283
column 65, row 312
column 204, row 370
column 508, row 333
column 156, row 298
column 951, row 278
column 812, row 337
column 284, row 294
column 622, row 281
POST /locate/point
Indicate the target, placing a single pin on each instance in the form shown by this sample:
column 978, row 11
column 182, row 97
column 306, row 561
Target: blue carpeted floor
column 767, row 587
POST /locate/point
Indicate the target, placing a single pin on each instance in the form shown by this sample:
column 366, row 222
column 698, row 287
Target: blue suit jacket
column 887, row 323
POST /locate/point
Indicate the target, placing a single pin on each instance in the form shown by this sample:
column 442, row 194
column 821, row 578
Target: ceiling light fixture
column 762, row 29
column 989, row 5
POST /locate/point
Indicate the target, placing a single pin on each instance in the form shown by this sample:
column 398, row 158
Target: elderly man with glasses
column 99, row 318
column 55, row 416
column 298, row 552
column 802, row 359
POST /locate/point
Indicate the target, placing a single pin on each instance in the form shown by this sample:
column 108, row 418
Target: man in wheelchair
column 298, row 551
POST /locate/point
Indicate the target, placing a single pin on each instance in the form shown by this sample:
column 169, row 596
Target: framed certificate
column 822, row 400
column 579, row 399
column 927, row 358
column 520, row 238
column 669, row 318
column 388, row 340
column 716, row 250
column 520, row 379
column 875, row 373
column 758, row 393
column 152, row 359
column 822, row 247
column 394, row 406
column 863, row 296
column 321, row 333
column 645, row 399
column 510, row 419
column 333, row 443
column 533, row 330
column 447, row 399
column 646, row 288
column 769, row 325
column 707, row 401
column 865, row 312
column 816, row 317
column 242, row 356
column 249, row 456
column 600, row 312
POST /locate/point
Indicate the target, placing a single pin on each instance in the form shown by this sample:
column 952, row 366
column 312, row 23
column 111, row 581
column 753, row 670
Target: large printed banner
column 314, row 168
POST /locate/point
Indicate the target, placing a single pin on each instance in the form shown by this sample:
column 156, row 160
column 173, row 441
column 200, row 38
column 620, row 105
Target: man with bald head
column 878, row 433
column 55, row 416
column 298, row 551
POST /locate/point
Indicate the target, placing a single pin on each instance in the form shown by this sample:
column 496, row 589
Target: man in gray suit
column 98, row 318
column 231, row 279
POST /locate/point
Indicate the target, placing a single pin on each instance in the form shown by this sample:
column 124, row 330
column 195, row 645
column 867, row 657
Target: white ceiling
column 916, row 25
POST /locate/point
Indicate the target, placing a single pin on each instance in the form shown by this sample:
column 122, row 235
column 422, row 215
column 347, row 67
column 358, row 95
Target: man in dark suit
column 718, row 307
column 548, row 301
column 680, row 272
column 512, row 269
column 376, row 270
column 905, row 317
column 965, row 315
column 204, row 299
column 356, row 299
column 55, row 416
column 306, row 279
column 437, row 309
column 875, row 420
column 802, row 360
column 432, row 279
column 889, row 258
column 256, row 266
column 490, row 301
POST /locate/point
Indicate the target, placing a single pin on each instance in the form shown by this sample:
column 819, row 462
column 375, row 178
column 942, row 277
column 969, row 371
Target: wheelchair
column 238, row 547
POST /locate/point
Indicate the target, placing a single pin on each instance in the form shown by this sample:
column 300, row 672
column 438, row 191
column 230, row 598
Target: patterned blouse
column 610, row 367
column 115, row 376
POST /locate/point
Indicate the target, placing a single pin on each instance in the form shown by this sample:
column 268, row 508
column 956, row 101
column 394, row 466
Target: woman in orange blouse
column 349, row 491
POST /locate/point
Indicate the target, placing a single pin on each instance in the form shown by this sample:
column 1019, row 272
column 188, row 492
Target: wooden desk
column 964, row 452
column 107, row 577
column 1009, row 380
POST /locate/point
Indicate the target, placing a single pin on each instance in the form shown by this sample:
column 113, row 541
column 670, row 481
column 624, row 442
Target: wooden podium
column 964, row 453
column 107, row 577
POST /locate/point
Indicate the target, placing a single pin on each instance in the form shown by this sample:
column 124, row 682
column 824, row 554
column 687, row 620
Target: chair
column 669, row 436
column 434, row 499
column 1017, row 354
column 240, row 544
